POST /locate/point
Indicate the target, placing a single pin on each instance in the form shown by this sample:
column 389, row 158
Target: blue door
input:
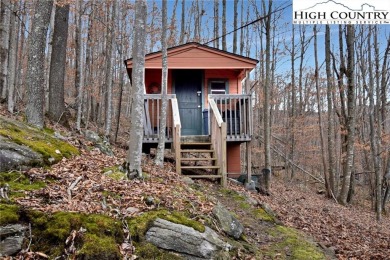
column 188, row 86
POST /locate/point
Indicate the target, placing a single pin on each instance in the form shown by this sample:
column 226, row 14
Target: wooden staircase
column 197, row 158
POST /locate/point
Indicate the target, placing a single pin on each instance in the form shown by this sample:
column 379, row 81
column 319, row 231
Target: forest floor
column 351, row 232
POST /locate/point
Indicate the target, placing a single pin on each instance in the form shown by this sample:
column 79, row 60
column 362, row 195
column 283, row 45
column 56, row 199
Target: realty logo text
column 341, row 12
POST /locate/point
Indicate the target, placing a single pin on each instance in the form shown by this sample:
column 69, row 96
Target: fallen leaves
column 352, row 232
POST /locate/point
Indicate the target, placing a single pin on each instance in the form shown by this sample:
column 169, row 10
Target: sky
column 283, row 34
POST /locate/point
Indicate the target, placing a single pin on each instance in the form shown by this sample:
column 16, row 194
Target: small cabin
column 209, row 111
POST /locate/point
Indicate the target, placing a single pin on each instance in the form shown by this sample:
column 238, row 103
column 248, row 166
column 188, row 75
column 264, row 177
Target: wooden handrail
column 175, row 112
column 176, row 133
column 217, row 114
column 218, row 138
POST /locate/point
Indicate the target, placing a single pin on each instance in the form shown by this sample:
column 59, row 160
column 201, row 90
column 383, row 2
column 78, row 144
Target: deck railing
column 218, row 138
column 152, row 109
column 176, row 133
column 236, row 112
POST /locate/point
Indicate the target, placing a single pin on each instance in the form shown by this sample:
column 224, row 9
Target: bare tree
column 216, row 23
column 224, row 25
column 332, row 191
column 79, row 83
column 4, row 45
column 164, row 100
column 58, row 62
column 183, row 21
column 350, row 119
column 135, row 143
column 267, row 88
column 235, row 26
column 319, row 110
column 36, row 66
column 12, row 59
column 109, row 70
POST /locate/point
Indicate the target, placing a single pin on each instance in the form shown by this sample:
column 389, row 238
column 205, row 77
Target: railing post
column 177, row 149
column 223, row 155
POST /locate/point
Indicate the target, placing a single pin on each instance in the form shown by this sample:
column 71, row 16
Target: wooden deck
column 229, row 120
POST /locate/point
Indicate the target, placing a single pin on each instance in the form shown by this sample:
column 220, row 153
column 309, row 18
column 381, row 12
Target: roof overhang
column 197, row 56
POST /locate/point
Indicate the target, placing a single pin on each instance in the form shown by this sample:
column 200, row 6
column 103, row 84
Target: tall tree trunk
column 267, row 87
column 79, row 81
column 216, row 23
column 57, row 65
column 329, row 90
column 235, row 26
column 183, row 21
column 4, row 45
column 376, row 129
column 242, row 31
column 350, row 124
column 172, row 28
column 164, row 99
column 109, row 70
column 12, row 60
column 36, row 63
column 293, row 103
column 48, row 56
column 134, row 156
column 319, row 111
column 224, row 25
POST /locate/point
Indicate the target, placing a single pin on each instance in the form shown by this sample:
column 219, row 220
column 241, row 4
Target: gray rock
column 105, row 148
column 10, row 230
column 11, row 239
column 13, row 156
column 229, row 224
column 93, row 137
column 188, row 180
column 11, row 245
column 185, row 240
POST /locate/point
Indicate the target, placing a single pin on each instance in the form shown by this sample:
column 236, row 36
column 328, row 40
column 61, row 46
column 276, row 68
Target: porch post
column 248, row 144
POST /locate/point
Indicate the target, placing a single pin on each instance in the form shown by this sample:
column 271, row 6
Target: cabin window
column 219, row 86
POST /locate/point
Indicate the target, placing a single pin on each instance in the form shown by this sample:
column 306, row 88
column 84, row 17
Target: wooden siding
column 233, row 158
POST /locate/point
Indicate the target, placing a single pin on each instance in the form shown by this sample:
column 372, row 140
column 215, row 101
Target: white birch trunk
column 134, row 155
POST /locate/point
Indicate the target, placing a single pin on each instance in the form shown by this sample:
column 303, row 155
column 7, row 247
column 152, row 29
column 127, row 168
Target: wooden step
column 196, row 151
column 195, row 138
column 203, row 176
column 205, row 167
column 198, row 159
column 196, row 143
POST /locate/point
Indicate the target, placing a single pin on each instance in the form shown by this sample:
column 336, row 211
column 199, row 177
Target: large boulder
column 11, row 239
column 229, row 223
column 13, row 155
column 185, row 240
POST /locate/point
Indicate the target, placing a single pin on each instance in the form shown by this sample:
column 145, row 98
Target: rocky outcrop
column 11, row 237
column 13, row 156
column 229, row 224
column 185, row 240
column 98, row 142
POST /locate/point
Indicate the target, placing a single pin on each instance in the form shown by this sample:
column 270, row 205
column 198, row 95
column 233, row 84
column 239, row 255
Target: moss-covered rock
column 40, row 141
column 99, row 247
column 99, row 241
column 19, row 183
column 140, row 224
column 292, row 245
column 146, row 250
column 261, row 214
column 9, row 214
